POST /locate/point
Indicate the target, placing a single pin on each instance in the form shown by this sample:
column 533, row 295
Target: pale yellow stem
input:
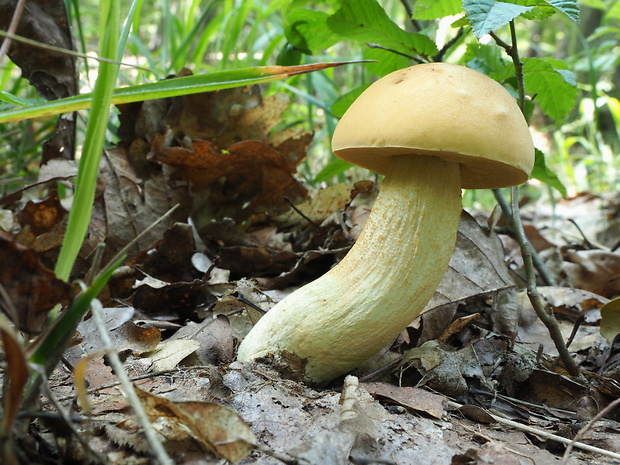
column 350, row 313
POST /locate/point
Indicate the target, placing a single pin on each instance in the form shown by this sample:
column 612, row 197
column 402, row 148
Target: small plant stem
column 17, row 14
column 141, row 416
column 546, row 317
column 548, row 279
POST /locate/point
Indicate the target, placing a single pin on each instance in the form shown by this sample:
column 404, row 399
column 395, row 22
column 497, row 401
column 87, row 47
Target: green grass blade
column 80, row 213
column 168, row 88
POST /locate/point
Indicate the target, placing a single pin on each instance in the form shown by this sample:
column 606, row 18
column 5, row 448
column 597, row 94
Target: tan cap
column 441, row 110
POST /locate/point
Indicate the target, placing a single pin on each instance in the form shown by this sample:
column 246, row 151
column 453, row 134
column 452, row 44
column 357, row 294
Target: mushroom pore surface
column 347, row 315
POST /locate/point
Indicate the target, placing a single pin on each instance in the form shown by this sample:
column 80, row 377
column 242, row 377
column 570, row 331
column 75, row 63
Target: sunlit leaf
column 551, row 85
column 569, row 7
column 307, row 30
column 488, row 15
column 432, row 9
column 542, row 172
column 366, row 21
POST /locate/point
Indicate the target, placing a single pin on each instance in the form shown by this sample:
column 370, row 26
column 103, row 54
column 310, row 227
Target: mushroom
column 431, row 129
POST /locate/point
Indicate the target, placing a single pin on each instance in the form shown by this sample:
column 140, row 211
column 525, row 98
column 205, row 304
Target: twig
column 583, row 430
column 300, row 213
column 538, row 263
column 381, row 47
column 439, row 56
column 151, row 435
column 526, row 250
column 17, row 14
column 414, row 22
column 545, row 434
column 546, row 317
column 9, row 36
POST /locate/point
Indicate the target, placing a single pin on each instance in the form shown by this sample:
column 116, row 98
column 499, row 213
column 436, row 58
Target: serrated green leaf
column 551, row 84
column 542, row 172
column 365, row 21
column 569, row 7
column 308, row 31
column 433, row 9
column 488, row 15
column 539, row 12
column 488, row 59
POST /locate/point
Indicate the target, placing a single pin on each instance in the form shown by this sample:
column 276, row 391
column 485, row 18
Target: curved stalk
column 350, row 313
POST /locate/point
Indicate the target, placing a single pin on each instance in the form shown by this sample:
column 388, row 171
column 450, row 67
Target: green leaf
column 14, row 99
column 610, row 319
column 542, row 172
column 365, row 21
column 307, row 30
column 57, row 337
column 433, row 9
column 488, row 59
column 334, row 168
column 551, row 84
column 343, row 102
column 569, row 7
column 488, row 15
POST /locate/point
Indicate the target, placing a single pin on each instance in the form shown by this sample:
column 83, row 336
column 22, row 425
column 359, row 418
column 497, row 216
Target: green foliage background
column 570, row 68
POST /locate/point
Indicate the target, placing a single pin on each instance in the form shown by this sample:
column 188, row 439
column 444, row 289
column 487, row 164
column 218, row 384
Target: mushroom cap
column 441, row 110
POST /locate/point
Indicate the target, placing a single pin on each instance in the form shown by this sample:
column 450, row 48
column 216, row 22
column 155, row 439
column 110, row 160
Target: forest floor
column 474, row 380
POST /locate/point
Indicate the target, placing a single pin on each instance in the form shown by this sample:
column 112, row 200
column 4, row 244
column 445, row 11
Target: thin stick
column 10, row 36
column 151, row 435
column 17, row 14
column 538, row 263
column 583, row 430
column 546, row 434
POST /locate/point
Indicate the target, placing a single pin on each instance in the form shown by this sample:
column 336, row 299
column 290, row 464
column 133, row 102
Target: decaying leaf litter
column 191, row 290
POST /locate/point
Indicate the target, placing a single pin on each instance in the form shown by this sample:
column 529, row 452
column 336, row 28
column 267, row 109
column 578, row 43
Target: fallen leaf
column 597, row 271
column 610, row 319
column 15, row 378
column 214, row 426
column 131, row 204
column 31, row 290
column 476, row 269
column 168, row 354
column 239, row 179
column 412, row 398
column 42, row 216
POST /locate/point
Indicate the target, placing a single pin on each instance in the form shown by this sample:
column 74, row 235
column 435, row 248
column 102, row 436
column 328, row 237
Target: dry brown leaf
column 31, row 288
column 597, row 271
column 42, row 216
column 15, row 379
column 243, row 177
column 409, row 397
column 215, row 336
column 214, row 426
column 132, row 205
column 168, row 354
column 476, row 270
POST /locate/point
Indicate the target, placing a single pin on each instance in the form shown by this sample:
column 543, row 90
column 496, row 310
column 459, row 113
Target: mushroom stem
column 347, row 315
